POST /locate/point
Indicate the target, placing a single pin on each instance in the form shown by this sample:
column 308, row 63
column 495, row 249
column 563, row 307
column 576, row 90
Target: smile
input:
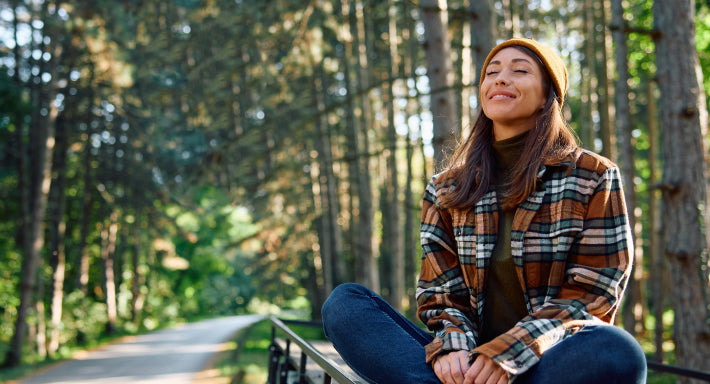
column 502, row 97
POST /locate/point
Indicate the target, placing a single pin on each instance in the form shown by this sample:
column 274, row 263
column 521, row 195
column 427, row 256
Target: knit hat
column 552, row 61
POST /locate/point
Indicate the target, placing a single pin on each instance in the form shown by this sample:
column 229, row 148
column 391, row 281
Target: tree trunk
column 685, row 177
column 41, row 321
column 439, row 70
column 352, row 148
column 515, row 18
column 366, row 269
column 507, row 21
column 57, row 233
column 108, row 247
column 633, row 304
column 36, row 163
column 82, row 253
column 657, row 270
column 329, row 233
column 483, row 34
column 602, row 75
column 39, row 190
column 586, row 125
column 13, row 355
column 138, row 279
column 467, row 80
column 391, row 214
column 411, row 210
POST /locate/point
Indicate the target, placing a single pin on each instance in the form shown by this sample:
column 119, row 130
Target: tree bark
column 351, row 136
column 366, row 269
column 586, row 128
column 329, row 233
column 138, row 279
column 108, row 254
column 437, row 50
column 57, row 233
column 391, row 215
column 685, row 178
column 606, row 132
column 38, row 164
column 411, row 210
column 657, row 270
column 82, row 254
column 482, row 30
column 633, row 306
column 13, row 355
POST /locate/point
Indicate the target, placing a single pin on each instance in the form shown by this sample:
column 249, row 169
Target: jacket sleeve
column 443, row 297
column 596, row 271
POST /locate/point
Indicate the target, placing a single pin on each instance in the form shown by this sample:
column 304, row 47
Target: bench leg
column 275, row 354
column 302, row 371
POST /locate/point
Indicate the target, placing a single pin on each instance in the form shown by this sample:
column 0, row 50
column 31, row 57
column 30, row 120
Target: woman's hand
column 453, row 368
column 485, row 371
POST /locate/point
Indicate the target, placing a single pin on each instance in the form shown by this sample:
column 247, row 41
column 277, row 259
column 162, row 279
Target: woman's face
column 513, row 92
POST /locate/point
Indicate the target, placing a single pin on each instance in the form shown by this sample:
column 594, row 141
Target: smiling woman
column 513, row 91
column 526, row 250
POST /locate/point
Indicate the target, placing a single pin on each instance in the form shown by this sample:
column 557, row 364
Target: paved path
column 171, row 356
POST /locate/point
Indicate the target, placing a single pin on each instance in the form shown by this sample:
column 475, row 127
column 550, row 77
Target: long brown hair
column 473, row 162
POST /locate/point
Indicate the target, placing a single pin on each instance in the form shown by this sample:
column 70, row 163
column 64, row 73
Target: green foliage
column 9, row 300
column 214, row 282
column 82, row 319
column 248, row 354
column 194, row 122
column 702, row 42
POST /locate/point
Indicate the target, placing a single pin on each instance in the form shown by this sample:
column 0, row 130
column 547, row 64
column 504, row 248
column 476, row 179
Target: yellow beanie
column 552, row 61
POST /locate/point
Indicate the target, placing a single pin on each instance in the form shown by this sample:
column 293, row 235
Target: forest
column 168, row 160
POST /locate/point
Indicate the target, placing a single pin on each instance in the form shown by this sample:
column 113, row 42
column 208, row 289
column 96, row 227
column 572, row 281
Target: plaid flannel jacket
column 572, row 248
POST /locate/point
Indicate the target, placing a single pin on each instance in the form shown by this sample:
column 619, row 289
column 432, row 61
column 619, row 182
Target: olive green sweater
column 505, row 301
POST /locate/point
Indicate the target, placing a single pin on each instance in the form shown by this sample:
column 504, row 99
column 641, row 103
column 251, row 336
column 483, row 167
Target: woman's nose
column 502, row 77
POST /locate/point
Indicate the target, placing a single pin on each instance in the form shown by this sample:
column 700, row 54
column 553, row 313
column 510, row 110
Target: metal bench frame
column 679, row 371
column 280, row 362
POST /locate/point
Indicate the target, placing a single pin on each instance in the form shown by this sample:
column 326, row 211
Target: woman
column 526, row 252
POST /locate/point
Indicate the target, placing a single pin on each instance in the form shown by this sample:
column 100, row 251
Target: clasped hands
column 453, row 368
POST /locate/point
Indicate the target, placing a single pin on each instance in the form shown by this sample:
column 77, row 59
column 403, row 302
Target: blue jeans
column 384, row 347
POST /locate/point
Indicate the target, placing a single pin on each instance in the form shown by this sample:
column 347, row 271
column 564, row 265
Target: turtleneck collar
column 508, row 151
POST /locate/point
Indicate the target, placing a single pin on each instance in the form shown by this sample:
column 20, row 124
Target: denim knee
column 339, row 295
column 595, row 354
column 336, row 308
column 622, row 355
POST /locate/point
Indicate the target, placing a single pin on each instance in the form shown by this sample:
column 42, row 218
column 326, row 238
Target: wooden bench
column 295, row 360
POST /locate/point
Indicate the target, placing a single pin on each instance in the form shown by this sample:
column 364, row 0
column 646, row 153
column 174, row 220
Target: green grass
column 14, row 373
column 247, row 356
column 660, row 378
